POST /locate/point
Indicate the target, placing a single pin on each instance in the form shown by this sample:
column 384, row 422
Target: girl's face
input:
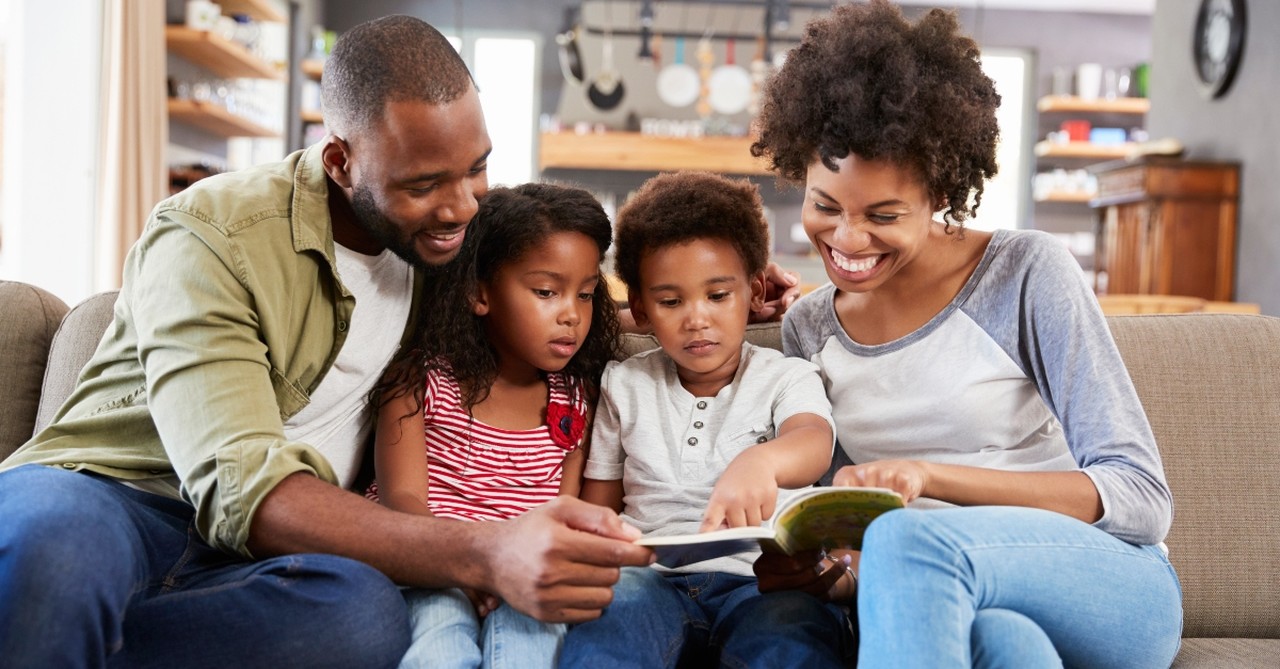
column 868, row 221
column 537, row 309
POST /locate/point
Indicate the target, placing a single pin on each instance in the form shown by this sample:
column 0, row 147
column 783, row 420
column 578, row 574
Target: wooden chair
column 1113, row 305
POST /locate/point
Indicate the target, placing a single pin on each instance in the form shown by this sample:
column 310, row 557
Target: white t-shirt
column 670, row 447
column 338, row 420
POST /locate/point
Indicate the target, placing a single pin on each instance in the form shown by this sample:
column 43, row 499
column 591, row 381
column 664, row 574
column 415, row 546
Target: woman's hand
column 781, row 289
column 827, row 577
column 908, row 478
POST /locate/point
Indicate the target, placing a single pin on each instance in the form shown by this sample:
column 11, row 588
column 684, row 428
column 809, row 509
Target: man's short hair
column 391, row 59
column 682, row 207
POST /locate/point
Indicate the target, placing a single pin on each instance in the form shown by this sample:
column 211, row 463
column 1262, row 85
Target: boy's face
column 697, row 297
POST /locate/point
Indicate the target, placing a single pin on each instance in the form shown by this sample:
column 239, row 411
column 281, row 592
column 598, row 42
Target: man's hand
column 907, row 477
column 558, row 562
column 483, row 602
column 745, row 495
column 781, row 289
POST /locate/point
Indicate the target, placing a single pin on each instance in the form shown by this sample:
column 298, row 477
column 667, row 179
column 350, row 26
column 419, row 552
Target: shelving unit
column 648, row 153
column 312, row 68
column 216, row 119
column 260, row 10
column 1068, row 103
column 1048, row 149
column 220, row 56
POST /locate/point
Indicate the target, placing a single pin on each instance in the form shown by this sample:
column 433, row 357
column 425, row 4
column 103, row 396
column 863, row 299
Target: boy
column 700, row 434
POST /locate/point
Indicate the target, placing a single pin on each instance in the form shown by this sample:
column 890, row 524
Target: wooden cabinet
column 634, row 151
column 1167, row 226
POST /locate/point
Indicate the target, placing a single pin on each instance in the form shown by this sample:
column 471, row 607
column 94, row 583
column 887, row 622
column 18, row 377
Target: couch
column 1210, row 384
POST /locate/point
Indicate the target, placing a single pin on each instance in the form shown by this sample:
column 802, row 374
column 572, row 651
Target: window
column 505, row 70
column 1005, row 199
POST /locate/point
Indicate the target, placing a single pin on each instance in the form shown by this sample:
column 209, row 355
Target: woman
column 966, row 367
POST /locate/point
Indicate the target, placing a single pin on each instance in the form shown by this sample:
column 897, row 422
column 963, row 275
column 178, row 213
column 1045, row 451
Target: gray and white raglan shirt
column 1019, row 372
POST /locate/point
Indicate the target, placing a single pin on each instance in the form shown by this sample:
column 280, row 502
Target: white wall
column 52, row 70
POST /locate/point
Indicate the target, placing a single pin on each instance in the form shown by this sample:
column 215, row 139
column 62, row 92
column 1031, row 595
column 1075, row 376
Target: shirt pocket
column 740, row 439
column 290, row 397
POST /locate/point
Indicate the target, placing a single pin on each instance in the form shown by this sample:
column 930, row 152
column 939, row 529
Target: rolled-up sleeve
column 211, row 390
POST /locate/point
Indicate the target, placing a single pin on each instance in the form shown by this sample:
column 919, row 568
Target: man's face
column 417, row 175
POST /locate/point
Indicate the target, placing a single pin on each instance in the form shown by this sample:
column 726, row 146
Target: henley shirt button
column 761, row 440
column 68, row 465
column 693, row 441
column 702, row 405
column 342, row 326
column 697, row 424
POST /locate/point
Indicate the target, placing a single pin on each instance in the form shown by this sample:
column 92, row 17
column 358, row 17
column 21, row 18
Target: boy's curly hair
column 867, row 81
column 449, row 336
column 681, row 207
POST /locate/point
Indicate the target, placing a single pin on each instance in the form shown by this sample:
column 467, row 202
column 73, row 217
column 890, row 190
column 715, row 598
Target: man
column 187, row 507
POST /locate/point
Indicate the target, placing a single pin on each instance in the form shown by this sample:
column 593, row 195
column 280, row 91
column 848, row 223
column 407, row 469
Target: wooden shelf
column 1074, row 197
column 312, row 68
column 311, row 116
column 215, row 119
column 1067, row 103
column 222, row 57
column 1082, row 150
column 261, row 10
column 647, row 153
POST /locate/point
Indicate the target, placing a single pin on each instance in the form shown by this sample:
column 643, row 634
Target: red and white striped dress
column 480, row 472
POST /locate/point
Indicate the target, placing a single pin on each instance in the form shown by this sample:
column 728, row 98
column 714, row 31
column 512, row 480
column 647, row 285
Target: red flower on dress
column 566, row 425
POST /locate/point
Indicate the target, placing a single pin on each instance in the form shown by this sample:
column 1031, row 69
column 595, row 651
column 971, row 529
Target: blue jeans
column 1012, row 587
column 447, row 633
column 700, row 620
column 94, row 573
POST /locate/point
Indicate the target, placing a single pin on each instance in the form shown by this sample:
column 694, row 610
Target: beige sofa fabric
column 71, row 349
column 30, row 318
column 1210, row 384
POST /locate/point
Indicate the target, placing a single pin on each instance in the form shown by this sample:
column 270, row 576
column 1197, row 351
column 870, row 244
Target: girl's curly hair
column 449, row 336
column 867, row 81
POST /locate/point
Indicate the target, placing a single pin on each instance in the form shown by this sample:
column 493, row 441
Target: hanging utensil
column 678, row 83
column 606, row 90
column 567, row 46
column 759, row 72
column 646, row 30
column 705, row 60
column 730, row 84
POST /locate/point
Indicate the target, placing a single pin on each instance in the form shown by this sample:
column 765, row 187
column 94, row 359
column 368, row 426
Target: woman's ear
column 757, row 283
column 480, row 301
column 336, row 157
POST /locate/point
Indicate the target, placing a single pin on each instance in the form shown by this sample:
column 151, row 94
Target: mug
column 1089, row 81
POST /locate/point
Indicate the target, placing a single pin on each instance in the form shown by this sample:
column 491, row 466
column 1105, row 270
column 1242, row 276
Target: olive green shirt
column 230, row 314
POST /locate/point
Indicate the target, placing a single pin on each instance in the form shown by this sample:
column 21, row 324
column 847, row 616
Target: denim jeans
column 447, row 633
column 94, row 574
column 700, row 620
column 1012, row 587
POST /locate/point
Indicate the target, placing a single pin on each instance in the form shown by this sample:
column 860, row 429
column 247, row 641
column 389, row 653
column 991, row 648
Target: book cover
column 824, row 518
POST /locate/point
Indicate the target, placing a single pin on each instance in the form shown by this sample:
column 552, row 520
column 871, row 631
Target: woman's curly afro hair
column 867, row 81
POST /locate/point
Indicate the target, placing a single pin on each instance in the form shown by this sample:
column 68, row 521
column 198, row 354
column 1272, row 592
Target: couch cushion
column 73, row 345
column 1228, row 654
column 1210, row 384
column 31, row 317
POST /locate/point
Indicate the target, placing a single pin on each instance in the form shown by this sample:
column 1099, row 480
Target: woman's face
column 868, row 220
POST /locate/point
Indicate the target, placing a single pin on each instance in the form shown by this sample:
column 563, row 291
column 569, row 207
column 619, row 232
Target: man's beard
column 382, row 229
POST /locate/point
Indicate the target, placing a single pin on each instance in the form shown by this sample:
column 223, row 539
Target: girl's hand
column 744, row 496
column 812, row 572
column 781, row 289
column 484, row 602
column 907, row 477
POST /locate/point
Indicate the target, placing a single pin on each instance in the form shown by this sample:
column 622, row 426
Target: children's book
column 824, row 518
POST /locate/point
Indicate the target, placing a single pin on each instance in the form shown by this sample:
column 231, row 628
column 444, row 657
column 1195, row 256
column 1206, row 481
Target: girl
column 963, row 366
column 485, row 419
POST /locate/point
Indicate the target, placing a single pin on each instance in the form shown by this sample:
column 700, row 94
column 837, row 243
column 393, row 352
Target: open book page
column 817, row 518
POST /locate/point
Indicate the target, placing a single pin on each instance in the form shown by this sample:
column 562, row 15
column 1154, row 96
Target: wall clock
column 1218, row 44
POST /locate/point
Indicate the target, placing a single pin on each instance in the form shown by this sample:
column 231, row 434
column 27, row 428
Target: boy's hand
column 907, row 477
column 744, row 496
column 806, row 571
